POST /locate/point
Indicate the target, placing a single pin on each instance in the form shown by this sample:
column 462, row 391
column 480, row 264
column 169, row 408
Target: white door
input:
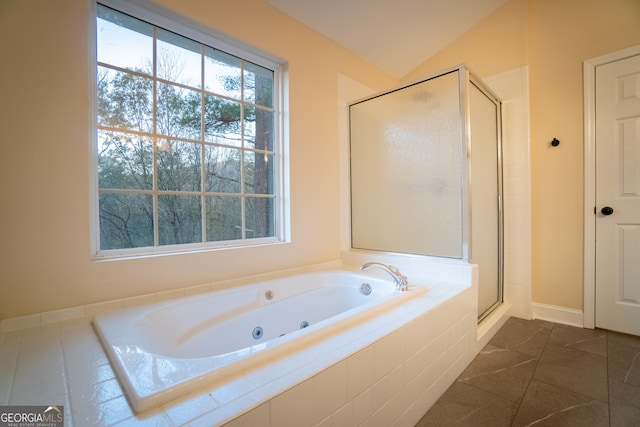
column 617, row 145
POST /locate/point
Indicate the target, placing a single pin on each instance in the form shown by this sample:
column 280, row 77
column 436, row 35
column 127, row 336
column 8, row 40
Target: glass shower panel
column 407, row 170
column 485, row 181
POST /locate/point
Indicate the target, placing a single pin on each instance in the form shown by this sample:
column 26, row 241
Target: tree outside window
column 185, row 139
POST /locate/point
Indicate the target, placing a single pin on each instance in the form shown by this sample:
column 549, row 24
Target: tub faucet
column 402, row 284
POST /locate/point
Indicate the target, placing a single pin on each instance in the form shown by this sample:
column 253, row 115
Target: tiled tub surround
column 385, row 372
column 163, row 350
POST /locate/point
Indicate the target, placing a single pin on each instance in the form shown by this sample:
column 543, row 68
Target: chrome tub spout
column 399, row 279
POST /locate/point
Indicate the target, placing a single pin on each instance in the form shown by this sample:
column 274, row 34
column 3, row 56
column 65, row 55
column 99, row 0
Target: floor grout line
column 526, row 389
column 585, row 396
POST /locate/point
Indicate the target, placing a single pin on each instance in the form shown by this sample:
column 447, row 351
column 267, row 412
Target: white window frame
column 171, row 21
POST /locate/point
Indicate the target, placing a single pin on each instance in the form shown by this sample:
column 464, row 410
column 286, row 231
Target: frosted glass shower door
column 486, row 188
column 407, row 170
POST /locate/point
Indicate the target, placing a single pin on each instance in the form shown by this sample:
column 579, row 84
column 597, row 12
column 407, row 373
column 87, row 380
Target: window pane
column 258, row 85
column 179, row 112
column 258, row 129
column 223, row 170
column 179, row 219
column 224, row 218
column 179, row 59
column 188, row 126
column 126, row 221
column 222, row 73
column 222, row 121
column 124, row 41
column 259, row 217
column 179, row 165
column 125, row 161
column 258, row 170
column 125, row 100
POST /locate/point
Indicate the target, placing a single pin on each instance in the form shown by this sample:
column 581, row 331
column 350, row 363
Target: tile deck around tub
column 531, row 372
column 545, row 374
column 64, row 364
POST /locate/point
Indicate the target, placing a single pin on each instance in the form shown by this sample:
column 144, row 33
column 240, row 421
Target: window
column 187, row 141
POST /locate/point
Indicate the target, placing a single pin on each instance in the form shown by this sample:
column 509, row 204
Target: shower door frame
column 467, row 78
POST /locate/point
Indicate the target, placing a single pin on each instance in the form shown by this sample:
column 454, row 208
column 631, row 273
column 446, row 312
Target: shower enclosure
column 426, row 175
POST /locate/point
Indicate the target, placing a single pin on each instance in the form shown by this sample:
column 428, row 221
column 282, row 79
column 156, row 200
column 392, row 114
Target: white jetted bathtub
column 167, row 349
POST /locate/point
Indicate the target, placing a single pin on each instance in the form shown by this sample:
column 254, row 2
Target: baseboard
column 563, row 315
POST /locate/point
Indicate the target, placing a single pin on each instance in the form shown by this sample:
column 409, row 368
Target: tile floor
column 537, row 373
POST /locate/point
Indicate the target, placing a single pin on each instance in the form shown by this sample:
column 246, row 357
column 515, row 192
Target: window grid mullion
column 156, row 200
column 203, row 162
column 243, row 199
column 185, row 86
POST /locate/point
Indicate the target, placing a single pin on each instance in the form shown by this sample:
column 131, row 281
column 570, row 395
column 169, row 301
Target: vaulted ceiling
column 395, row 35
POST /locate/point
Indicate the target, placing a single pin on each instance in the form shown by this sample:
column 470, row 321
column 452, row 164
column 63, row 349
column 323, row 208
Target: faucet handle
column 402, row 283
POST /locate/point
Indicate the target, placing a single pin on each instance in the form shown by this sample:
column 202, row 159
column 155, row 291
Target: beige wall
column 495, row 45
column 45, row 260
column 552, row 38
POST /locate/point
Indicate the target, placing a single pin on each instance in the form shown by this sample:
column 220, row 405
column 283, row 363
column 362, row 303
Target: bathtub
column 165, row 350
